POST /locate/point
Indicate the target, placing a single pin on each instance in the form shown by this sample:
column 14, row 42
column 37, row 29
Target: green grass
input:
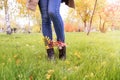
column 93, row 57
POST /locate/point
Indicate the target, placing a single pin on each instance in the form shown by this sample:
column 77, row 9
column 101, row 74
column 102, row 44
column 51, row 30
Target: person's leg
column 46, row 27
column 54, row 13
column 46, row 22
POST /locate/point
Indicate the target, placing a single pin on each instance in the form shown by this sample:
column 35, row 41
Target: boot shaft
column 62, row 53
column 50, row 53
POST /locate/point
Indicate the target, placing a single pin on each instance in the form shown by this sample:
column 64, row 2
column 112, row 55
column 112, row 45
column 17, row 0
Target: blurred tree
column 4, row 3
column 88, row 11
column 1, row 4
column 25, row 13
column 91, row 19
column 8, row 27
column 110, row 17
column 37, row 17
column 30, row 15
column 83, row 10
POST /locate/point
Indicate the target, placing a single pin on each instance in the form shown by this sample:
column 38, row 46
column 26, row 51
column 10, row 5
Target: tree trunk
column 85, row 26
column 92, row 17
column 85, row 23
column 102, row 28
column 8, row 28
column 100, row 21
column 28, row 22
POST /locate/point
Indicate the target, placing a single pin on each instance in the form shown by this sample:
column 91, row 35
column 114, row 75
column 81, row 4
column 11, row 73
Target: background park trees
column 4, row 3
column 94, row 15
column 106, row 15
column 18, row 17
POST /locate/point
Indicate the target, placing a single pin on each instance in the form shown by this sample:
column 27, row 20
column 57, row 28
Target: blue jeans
column 50, row 11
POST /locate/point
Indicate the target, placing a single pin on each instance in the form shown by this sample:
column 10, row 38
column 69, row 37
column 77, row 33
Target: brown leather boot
column 62, row 53
column 50, row 54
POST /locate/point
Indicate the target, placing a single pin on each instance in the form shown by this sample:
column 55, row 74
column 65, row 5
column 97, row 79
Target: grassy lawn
column 93, row 57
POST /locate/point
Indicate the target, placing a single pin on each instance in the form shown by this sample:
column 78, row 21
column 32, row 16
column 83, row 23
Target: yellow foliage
column 22, row 1
column 49, row 74
column 36, row 28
